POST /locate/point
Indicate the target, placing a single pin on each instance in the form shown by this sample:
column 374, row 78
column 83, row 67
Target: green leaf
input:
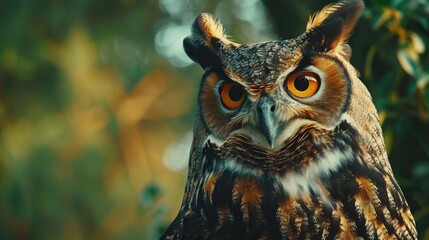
column 408, row 61
column 417, row 43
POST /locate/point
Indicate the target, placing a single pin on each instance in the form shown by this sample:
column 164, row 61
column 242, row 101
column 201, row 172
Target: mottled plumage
column 287, row 142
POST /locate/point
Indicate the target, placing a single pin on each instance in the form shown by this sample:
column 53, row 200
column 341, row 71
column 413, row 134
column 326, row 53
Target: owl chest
column 245, row 206
column 237, row 203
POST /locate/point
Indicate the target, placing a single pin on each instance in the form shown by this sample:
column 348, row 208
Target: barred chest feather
column 315, row 186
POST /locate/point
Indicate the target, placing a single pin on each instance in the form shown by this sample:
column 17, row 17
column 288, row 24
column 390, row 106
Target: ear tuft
column 210, row 27
column 333, row 25
column 349, row 11
column 203, row 45
column 317, row 18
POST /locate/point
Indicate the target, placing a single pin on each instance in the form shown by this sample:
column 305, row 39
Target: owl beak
column 267, row 119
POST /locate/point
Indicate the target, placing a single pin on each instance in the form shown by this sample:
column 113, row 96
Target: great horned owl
column 287, row 142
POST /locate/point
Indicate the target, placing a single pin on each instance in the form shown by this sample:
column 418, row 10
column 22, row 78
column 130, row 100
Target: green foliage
column 93, row 92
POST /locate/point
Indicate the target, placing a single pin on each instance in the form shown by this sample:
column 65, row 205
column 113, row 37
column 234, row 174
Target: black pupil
column 301, row 83
column 235, row 93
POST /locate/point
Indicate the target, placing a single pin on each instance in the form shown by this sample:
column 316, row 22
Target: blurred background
column 97, row 103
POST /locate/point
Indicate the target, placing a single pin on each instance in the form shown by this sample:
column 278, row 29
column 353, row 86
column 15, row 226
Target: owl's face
column 266, row 90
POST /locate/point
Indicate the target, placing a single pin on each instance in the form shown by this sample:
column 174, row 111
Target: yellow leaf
column 417, row 43
column 407, row 61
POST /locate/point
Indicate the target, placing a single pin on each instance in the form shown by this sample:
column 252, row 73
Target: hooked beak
column 267, row 119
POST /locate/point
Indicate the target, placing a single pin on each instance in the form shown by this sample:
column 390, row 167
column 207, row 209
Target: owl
column 287, row 142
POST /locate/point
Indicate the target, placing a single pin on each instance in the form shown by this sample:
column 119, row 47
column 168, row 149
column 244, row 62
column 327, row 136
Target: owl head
column 267, row 90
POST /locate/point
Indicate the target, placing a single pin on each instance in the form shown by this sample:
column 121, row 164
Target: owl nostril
column 272, row 108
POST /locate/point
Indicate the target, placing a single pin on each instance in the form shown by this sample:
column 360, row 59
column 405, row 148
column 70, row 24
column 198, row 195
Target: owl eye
column 232, row 95
column 303, row 84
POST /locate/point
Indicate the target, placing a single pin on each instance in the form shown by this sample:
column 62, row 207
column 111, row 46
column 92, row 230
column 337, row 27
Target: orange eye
column 232, row 95
column 303, row 84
